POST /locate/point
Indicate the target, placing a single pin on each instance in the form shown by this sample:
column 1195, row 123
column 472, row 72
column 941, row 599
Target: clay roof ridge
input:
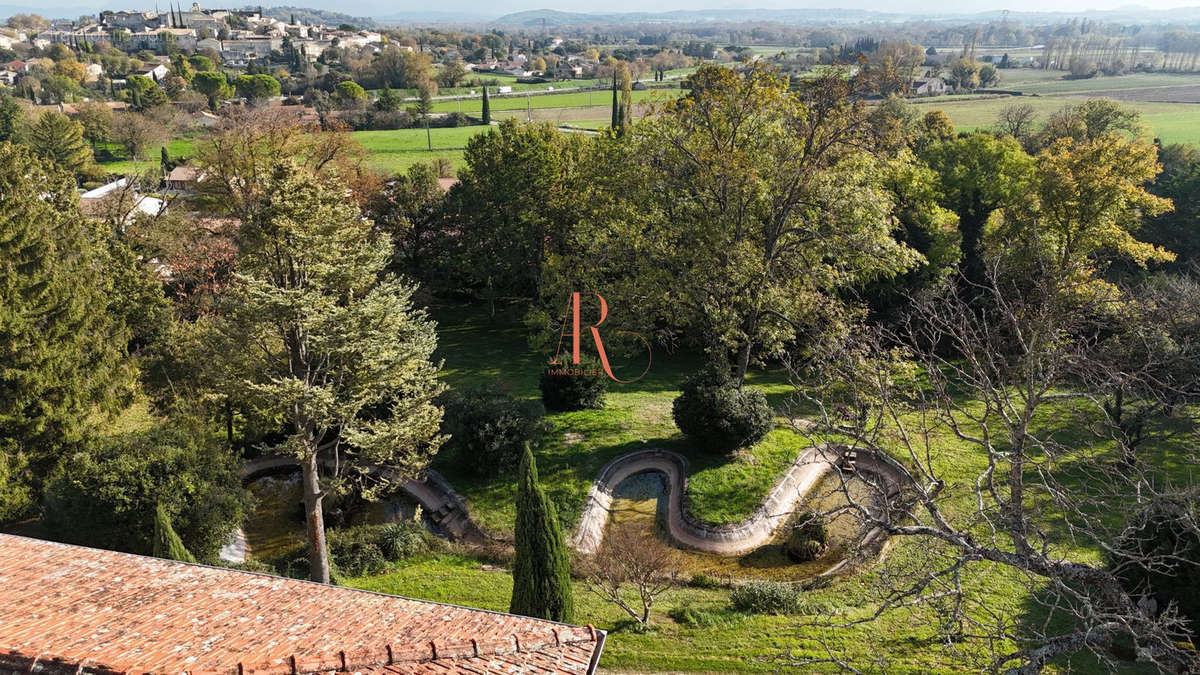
column 340, row 661
column 348, row 589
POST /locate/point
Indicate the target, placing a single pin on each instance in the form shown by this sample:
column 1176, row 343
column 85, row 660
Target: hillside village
column 242, row 38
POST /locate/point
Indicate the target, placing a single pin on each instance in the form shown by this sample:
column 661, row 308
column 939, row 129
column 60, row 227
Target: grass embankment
column 176, row 148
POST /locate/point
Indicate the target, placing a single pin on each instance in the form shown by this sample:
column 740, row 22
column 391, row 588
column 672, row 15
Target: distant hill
column 309, row 15
column 553, row 17
column 432, row 17
column 816, row 16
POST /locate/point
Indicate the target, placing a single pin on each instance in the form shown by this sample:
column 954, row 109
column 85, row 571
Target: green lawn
column 394, row 151
column 478, row 350
column 723, row 488
column 732, row 642
column 179, row 147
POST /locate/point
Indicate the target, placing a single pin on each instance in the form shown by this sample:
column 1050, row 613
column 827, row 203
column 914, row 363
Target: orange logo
column 572, row 317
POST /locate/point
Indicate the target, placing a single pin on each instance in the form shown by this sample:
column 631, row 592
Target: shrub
column 105, row 494
column 715, row 414
column 1164, row 530
column 457, row 119
column 356, row 550
column 363, row 549
column 766, row 597
column 294, row 563
column 691, row 617
column 488, row 428
column 809, row 539
column 562, row 390
column 403, row 540
column 702, row 580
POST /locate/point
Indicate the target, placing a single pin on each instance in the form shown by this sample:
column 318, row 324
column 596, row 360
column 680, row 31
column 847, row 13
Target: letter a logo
column 572, row 318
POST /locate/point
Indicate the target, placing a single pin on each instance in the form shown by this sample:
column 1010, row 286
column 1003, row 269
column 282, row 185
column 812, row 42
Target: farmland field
column 570, row 100
column 394, row 151
column 1172, row 122
column 1050, row 82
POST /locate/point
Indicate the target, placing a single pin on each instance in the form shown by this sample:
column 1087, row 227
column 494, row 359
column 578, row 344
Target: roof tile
column 85, row 610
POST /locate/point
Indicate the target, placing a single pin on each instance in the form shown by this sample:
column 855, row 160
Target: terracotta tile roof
column 70, row 609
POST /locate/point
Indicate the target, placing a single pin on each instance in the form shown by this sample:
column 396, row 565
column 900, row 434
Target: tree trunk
column 743, row 364
column 318, row 555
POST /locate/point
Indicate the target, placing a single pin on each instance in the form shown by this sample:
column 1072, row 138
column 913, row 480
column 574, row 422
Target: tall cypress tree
column 626, row 108
column 616, row 107
column 167, row 543
column 487, row 107
column 542, row 568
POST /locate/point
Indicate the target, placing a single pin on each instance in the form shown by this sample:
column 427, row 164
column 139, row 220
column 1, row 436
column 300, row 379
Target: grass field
column 179, row 147
column 578, row 444
column 1172, row 122
column 1047, row 91
column 569, row 100
column 711, row 636
column 394, row 151
column 1051, row 82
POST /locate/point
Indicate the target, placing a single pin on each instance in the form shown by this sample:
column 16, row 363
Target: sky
column 494, row 8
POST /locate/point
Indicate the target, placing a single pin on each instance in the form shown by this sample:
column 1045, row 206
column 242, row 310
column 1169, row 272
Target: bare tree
column 137, row 133
column 997, row 373
column 630, row 570
column 1148, row 361
column 238, row 156
column 1017, row 120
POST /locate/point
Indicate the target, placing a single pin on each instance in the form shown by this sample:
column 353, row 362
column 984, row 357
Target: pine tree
column 388, row 100
column 164, row 159
column 343, row 357
column 10, row 117
column 61, row 350
column 487, row 107
column 167, row 543
column 542, row 569
column 58, row 138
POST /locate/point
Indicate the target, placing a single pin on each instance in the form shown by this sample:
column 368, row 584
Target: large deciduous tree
column 1003, row 473
column 408, row 209
column 976, row 176
column 237, row 159
column 313, row 332
column 513, row 204
column 737, row 214
column 1085, row 202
